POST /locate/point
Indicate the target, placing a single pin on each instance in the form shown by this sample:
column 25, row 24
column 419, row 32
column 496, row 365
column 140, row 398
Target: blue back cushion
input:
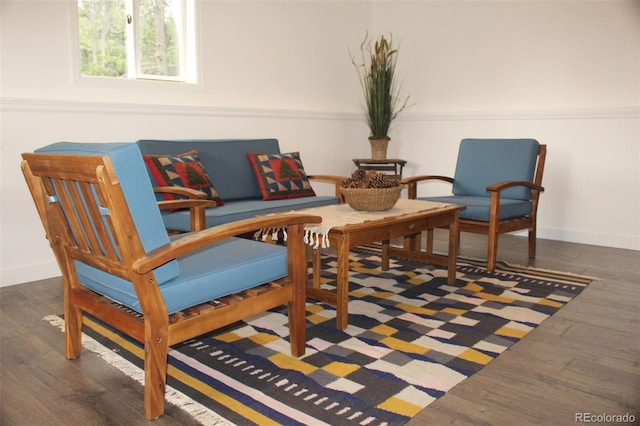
column 225, row 161
column 482, row 162
column 136, row 186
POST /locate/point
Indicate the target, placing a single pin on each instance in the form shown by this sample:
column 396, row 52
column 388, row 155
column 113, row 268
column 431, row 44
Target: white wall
column 563, row 72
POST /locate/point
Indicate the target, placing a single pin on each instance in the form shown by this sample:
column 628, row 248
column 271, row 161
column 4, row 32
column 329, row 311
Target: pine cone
column 377, row 181
column 359, row 174
column 361, row 178
column 370, row 175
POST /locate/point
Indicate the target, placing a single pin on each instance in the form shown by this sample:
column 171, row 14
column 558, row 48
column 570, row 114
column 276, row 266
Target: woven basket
column 371, row 199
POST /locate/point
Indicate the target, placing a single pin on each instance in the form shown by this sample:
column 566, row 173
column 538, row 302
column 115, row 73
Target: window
column 137, row 39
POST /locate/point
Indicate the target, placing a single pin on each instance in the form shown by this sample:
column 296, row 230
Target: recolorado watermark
column 605, row 418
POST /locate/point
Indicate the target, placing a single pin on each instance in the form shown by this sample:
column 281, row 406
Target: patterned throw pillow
column 184, row 170
column 280, row 176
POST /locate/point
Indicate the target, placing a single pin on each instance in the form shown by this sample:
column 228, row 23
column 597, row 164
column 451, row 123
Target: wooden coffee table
column 384, row 229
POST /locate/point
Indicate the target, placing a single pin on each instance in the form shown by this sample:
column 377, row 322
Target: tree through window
column 147, row 39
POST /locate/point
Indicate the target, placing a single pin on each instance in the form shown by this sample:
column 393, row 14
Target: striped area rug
column 411, row 338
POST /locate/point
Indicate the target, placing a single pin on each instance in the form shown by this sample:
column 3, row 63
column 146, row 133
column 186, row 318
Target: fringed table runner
column 337, row 215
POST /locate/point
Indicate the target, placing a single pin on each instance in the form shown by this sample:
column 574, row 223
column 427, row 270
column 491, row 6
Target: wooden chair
column 499, row 180
column 118, row 264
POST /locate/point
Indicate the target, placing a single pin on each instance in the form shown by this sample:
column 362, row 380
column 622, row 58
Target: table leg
column 412, row 242
column 454, row 233
column 429, row 248
column 317, row 267
column 342, row 283
column 384, row 262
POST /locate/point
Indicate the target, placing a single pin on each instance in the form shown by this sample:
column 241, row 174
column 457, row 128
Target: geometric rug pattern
column 411, row 338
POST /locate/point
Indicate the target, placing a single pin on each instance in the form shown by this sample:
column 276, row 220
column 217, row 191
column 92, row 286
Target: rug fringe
column 531, row 269
column 197, row 411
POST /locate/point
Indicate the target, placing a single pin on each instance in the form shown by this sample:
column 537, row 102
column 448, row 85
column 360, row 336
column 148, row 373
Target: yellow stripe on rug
column 221, row 398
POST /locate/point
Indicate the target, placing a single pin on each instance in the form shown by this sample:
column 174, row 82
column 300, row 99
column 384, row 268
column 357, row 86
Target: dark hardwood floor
column 584, row 359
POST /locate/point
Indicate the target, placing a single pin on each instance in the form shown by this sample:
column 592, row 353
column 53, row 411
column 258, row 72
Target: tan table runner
column 337, row 215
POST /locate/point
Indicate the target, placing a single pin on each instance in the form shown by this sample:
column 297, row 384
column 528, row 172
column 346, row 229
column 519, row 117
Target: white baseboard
column 29, row 273
column 629, row 242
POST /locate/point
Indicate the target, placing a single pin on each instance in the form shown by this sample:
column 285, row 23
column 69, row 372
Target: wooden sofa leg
column 73, row 332
column 297, row 325
column 72, row 325
column 532, row 242
column 298, row 272
column 155, row 376
column 492, row 251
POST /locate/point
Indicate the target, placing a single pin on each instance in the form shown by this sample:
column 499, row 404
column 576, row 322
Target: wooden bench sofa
column 240, row 191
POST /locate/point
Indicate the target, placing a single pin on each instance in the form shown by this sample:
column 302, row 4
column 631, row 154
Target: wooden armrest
column 180, row 190
column 199, row 239
column 194, row 201
column 412, row 183
column 336, row 180
column 500, row 186
column 185, row 203
column 330, row 178
column 416, row 179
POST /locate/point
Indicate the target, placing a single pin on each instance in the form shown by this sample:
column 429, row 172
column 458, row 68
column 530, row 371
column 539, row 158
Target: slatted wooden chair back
column 71, row 194
column 86, row 219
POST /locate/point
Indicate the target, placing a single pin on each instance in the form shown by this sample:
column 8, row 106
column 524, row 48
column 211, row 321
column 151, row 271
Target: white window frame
column 189, row 57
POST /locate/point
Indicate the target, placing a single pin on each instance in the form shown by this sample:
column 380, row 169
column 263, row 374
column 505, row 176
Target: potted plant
column 382, row 103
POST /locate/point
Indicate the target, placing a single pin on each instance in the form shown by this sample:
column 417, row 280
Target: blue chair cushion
column 482, row 162
column 223, row 268
column 244, row 209
column 136, row 187
column 478, row 207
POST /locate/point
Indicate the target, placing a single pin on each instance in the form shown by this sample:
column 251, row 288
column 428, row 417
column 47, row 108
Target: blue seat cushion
column 136, row 187
column 478, row 208
column 244, row 209
column 482, row 162
column 224, row 268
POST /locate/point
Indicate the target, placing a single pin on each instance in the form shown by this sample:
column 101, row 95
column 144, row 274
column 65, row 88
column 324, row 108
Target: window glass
column 136, row 39
column 102, row 29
